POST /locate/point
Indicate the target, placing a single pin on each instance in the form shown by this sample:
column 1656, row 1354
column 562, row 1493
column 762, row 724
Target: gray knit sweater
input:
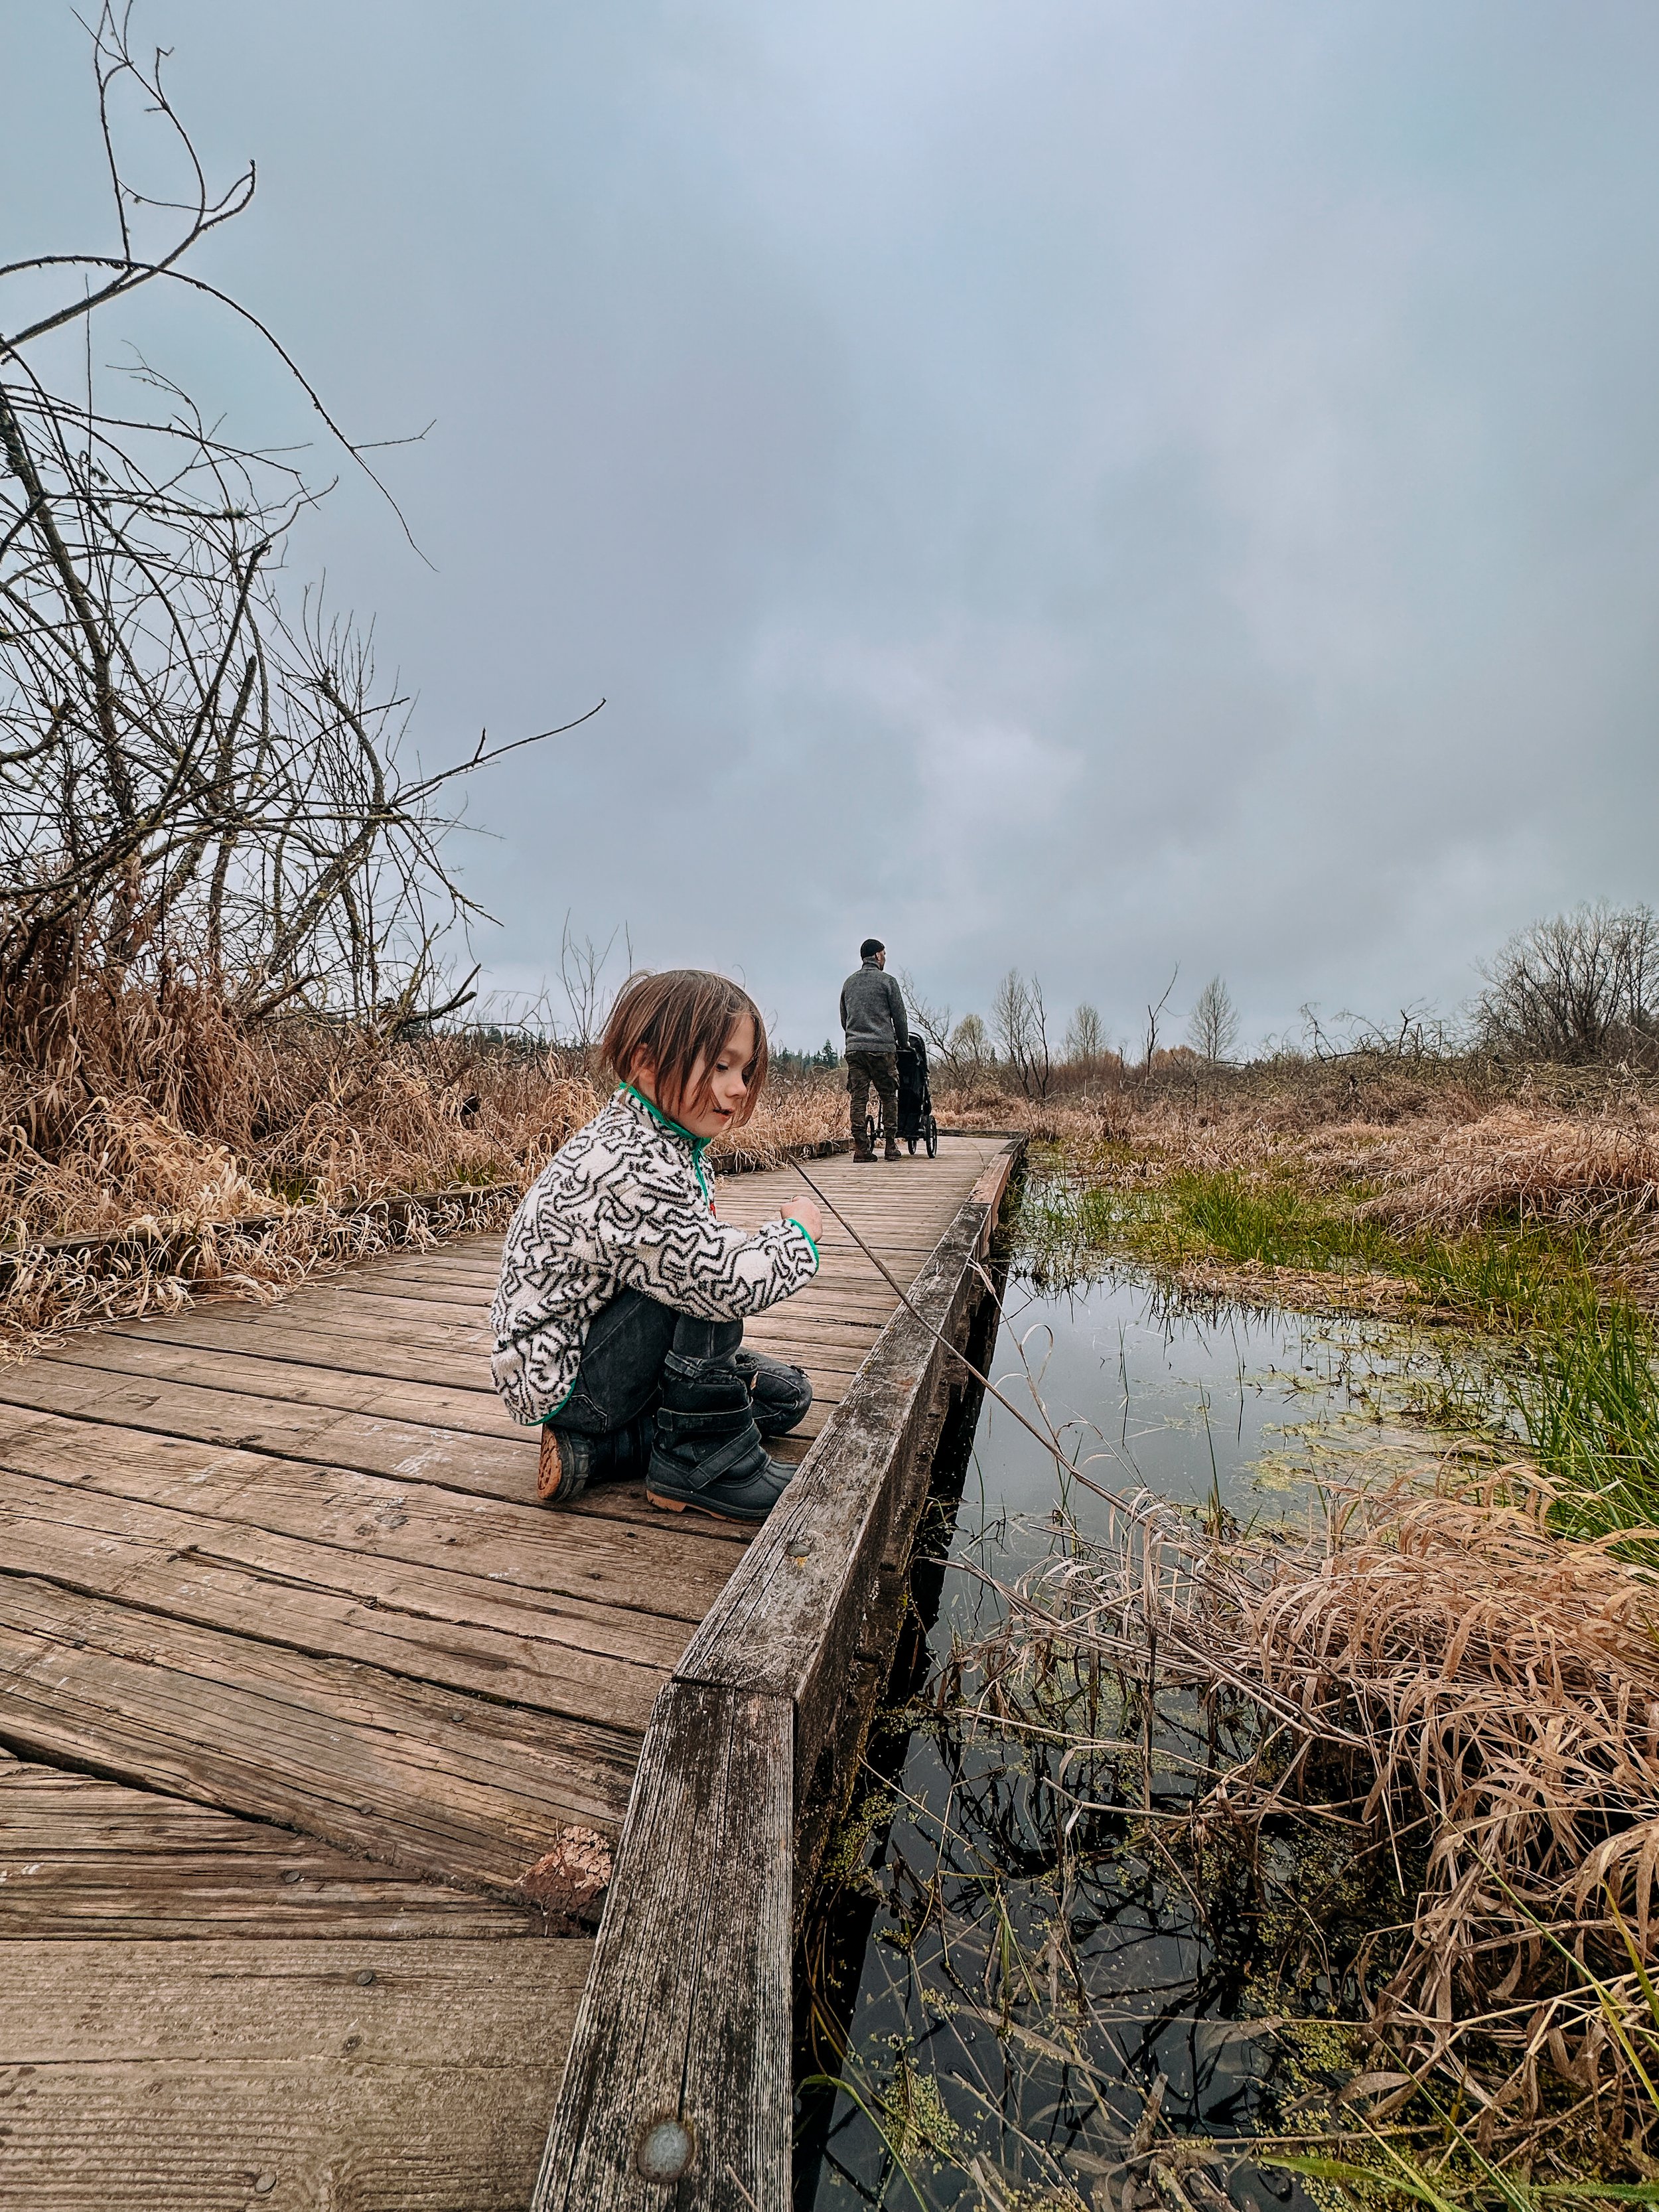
column 626, row 1204
column 872, row 1011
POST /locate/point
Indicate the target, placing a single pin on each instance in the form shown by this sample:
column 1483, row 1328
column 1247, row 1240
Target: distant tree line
column 1578, row 988
column 821, row 1062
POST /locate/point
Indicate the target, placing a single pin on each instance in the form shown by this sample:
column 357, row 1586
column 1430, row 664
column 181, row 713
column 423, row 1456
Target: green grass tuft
column 1564, row 1364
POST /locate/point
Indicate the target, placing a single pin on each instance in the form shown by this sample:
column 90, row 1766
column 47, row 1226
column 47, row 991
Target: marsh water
column 984, row 2009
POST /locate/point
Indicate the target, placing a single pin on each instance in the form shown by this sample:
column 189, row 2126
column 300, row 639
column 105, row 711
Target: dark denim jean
column 622, row 1359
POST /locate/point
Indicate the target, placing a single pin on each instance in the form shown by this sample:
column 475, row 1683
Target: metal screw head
column 665, row 2148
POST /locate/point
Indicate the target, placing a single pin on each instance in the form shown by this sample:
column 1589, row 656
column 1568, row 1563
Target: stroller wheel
column 912, row 1143
column 932, row 1139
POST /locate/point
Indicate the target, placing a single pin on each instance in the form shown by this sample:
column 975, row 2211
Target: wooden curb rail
column 174, row 1242
column 677, row 2091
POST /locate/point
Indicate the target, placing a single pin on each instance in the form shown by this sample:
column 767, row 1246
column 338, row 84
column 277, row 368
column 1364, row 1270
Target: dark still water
column 1006, row 1996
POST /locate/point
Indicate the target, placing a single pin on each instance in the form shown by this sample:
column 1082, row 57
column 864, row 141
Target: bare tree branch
column 189, row 773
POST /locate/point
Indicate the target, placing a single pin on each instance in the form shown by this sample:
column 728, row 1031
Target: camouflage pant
column 881, row 1069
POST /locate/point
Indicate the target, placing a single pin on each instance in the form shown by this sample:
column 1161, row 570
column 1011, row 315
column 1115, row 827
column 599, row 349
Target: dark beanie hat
column 871, row 944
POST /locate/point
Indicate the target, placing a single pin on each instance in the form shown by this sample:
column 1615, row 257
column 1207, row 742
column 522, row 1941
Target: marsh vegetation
column 1374, row 1733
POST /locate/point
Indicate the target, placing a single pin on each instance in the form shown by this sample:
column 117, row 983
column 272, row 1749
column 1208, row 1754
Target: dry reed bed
column 1441, row 1159
column 1480, row 1696
column 172, row 1125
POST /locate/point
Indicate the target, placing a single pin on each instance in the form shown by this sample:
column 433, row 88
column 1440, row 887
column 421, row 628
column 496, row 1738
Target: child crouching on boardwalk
column 619, row 1317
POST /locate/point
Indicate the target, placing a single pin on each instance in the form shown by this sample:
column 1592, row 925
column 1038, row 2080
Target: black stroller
column 916, row 1125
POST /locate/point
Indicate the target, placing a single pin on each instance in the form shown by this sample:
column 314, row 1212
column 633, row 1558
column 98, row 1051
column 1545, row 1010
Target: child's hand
column 804, row 1211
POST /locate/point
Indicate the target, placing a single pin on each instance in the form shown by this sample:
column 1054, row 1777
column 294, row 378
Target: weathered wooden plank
column 832, row 1364
column 344, row 1295
column 443, row 1301
column 419, row 1777
column 307, row 2077
column 490, row 1466
column 828, row 1334
column 828, row 1301
column 372, row 1346
column 588, row 1662
column 991, row 1189
column 686, row 2015
column 446, row 1263
column 474, row 1410
column 502, row 1466
column 81, row 1857
column 350, row 1294
column 407, row 1354
column 676, row 1571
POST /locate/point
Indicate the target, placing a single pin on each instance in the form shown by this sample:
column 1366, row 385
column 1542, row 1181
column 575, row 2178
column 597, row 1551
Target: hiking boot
column 570, row 1464
column 892, row 1151
column 708, row 1452
column 781, row 1397
column 862, row 1154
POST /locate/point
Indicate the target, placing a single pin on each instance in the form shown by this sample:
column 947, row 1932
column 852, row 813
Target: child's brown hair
column 673, row 1020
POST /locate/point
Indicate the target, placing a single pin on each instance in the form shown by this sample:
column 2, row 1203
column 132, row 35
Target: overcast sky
column 1078, row 486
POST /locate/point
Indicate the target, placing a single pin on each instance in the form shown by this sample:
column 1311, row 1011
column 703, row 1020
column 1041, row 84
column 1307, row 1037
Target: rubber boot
column 571, row 1464
column 780, row 1395
column 708, row 1452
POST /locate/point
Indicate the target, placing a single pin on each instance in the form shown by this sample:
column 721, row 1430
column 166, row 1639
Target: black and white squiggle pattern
column 625, row 1205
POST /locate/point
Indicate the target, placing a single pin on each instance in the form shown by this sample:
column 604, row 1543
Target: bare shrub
column 1154, row 1022
column 198, row 778
column 970, row 1051
column 1581, row 987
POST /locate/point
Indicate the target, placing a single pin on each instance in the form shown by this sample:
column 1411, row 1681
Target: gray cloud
column 1081, row 486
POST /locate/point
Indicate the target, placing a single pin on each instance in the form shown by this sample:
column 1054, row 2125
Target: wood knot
column 569, row 1882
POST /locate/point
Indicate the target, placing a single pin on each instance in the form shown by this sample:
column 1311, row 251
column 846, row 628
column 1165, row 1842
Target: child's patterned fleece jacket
column 627, row 1203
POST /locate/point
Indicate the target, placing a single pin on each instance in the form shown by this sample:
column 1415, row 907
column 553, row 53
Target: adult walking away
column 873, row 1014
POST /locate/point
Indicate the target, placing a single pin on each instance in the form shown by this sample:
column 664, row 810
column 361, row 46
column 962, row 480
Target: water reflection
column 1190, row 1403
column 993, row 1985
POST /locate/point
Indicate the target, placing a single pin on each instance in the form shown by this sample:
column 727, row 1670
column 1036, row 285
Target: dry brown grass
column 1441, row 1155
column 1516, row 1163
column 124, row 1111
column 1480, row 1696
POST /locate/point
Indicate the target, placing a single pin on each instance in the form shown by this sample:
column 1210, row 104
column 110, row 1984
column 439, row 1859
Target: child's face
column 727, row 1084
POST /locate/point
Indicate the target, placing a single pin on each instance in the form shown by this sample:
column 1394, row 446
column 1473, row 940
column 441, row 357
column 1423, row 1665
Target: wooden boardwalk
column 297, row 1681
